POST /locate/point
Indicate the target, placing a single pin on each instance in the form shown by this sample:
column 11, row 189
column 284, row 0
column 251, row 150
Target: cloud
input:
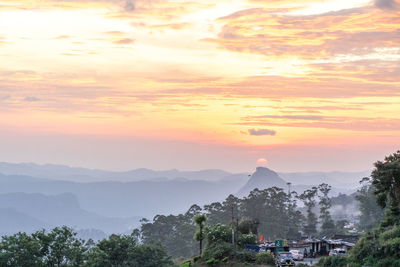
column 31, row 99
column 261, row 132
column 4, row 97
column 129, row 6
column 329, row 122
column 125, row 41
column 60, row 37
column 349, row 31
column 293, row 117
column 386, row 4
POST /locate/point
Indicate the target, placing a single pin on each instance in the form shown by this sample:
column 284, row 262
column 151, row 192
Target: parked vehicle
column 297, row 255
column 338, row 251
column 285, row 259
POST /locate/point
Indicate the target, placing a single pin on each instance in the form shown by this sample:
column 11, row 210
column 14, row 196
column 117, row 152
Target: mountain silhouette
column 262, row 178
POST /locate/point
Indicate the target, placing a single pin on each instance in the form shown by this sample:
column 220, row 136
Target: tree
column 20, row 250
column 371, row 212
column 327, row 223
column 123, row 250
column 381, row 245
column 386, row 180
column 296, row 218
column 61, row 247
column 219, row 242
column 174, row 233
column 200, row 220
column 308, row 198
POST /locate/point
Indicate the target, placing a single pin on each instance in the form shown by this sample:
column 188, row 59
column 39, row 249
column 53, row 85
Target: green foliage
column 175, row 233
column 218, row 233
column 245, row 256
column 247, row 239
column 20, row 250
column 265, row 258
column 332, row 261
column 200, row 220
column 219, row 251
column 117, row 250
column 386, row 179
column 123, row 250
column 212, row 262
column 186, row 264
column 328, row 225
column 247, row 226
column 381, row 246
column 377, row 246
column 371, row 212
column 308, row 198
column 61, row 247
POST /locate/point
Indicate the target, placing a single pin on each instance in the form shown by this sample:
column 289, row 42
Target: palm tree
column 200, row 220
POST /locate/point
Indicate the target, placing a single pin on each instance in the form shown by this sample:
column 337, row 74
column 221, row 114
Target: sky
column 197, row 84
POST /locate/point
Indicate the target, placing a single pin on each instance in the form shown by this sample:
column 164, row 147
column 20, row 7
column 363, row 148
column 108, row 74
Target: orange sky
column 195, row 84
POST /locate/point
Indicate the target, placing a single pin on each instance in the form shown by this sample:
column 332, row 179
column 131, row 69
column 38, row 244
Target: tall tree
column 200, row 220
column 61, row 247
column 371, row 212
column 386, row 179
column 296, row 218
column 327, row 223
column 308, row 198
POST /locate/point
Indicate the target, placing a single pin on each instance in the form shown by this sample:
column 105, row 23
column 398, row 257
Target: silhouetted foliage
column 200, row 220
column 61, row 247
column 308, row 198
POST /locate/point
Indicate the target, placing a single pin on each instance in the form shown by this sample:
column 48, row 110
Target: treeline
column 61, row 247
column 270, row 212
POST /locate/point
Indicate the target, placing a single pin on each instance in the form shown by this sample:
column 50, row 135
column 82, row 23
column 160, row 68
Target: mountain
column 55, row 210
column 344, row 180
column 12, row 221
column 66, row 173
column 126, row 199
column 262, row 178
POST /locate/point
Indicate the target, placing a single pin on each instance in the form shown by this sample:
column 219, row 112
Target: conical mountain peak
column 262, row 178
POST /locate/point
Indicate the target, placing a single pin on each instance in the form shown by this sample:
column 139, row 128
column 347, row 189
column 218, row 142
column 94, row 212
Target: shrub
column 265, row 258
column 245, row 256
column 247, row 239
column 218, row 233
column 186, row 264
column 332, row 261
column 212, row 261
column 218, row 251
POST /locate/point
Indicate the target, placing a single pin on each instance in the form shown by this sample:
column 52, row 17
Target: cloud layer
column 215, row 73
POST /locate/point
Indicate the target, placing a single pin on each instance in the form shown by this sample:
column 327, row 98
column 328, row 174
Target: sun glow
column 253, row 75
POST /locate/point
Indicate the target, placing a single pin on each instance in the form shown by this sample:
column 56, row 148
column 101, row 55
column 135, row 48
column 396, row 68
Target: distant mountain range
column 100, row 202
column 62, row 209
column 61, row 172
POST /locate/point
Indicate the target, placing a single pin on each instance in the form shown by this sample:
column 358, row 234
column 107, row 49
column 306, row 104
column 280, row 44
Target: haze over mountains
column 101, row 202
